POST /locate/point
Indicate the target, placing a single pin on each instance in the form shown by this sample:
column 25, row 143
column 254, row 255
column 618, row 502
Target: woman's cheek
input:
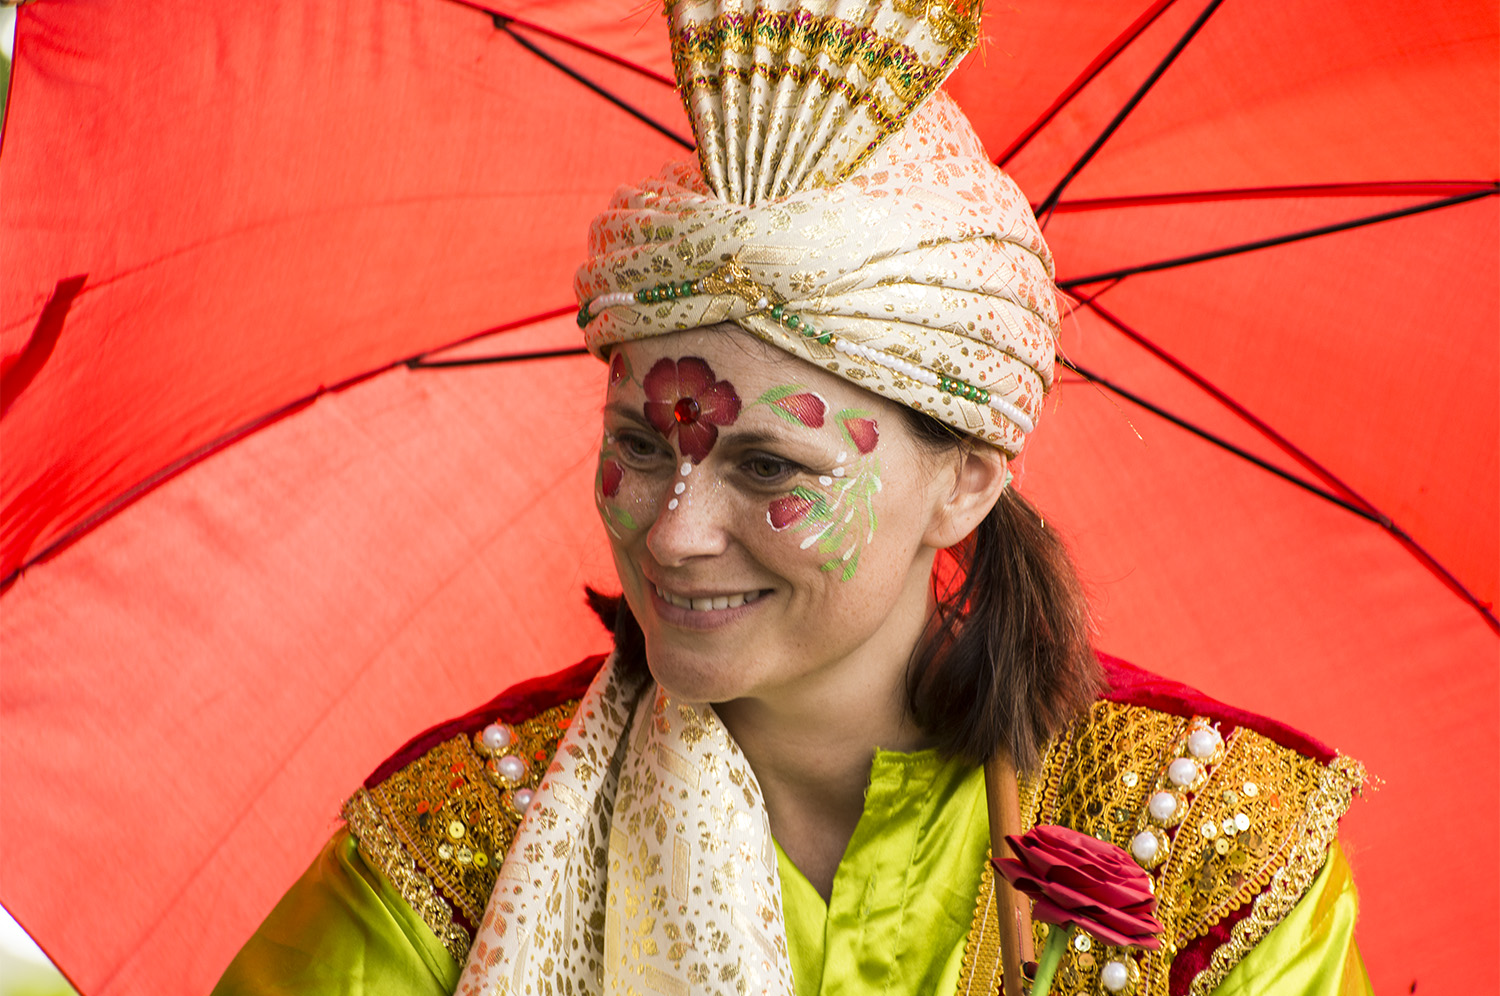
column 623, row 497
column 836, row 519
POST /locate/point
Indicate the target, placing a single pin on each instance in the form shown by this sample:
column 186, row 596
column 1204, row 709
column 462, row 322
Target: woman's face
column 769, row 521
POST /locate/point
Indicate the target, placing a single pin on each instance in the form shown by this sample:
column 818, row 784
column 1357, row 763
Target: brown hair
column 1006, row 659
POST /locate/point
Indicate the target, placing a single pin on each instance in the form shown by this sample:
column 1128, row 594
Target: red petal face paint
column 684, row 397
column 863, row 433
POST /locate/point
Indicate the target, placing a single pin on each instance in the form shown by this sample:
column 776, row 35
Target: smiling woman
column 847, row 652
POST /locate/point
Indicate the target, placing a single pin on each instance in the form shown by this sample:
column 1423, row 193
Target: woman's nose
column 689, row 524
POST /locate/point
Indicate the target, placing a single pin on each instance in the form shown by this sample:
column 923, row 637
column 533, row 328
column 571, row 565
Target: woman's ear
column 976, row 486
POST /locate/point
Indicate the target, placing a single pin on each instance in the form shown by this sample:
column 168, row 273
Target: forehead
column 736, row 356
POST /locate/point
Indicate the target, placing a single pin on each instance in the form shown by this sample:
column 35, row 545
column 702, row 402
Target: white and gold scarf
column 644, row 864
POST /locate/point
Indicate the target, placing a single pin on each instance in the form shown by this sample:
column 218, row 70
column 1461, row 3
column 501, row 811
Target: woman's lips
column 702, row 611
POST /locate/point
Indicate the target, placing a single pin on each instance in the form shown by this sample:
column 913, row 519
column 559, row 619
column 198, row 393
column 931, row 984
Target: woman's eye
column 637, row 449
column 765, row 469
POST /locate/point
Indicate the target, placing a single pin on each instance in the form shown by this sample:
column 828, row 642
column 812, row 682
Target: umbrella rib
column 159, row 477
column 1130, row 105
column 1093, row 69
column 582, row 46
column 1376, row 188
column 421, row 363
column 1217, row 440
column 1490, row 189
column 503, row 23
column 1327, row 476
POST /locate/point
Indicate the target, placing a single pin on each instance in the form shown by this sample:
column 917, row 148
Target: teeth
column 708, row 604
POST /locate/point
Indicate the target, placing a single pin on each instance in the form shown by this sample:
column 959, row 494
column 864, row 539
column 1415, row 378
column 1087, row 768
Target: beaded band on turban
column 841, row 208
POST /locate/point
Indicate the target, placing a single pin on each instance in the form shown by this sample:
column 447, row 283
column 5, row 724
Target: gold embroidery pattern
column 380, row 847
column 439, row 827
column 1253, row 825
column 1327, row 803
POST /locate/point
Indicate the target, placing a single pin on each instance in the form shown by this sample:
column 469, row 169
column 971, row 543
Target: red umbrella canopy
column 248, row 551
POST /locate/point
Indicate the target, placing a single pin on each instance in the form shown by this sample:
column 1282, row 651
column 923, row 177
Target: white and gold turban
column 841, row 208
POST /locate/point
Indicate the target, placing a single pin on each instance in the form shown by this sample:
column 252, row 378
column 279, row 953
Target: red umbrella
column 232, row 225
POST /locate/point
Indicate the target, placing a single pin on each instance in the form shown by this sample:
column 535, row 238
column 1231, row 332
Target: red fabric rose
column 1081, row 881
column 682, row 396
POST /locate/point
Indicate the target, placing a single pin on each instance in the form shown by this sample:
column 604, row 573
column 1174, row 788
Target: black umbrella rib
column 1093, row 69
column 422, row 363
column 1278, row 240
column 1485, row 609
column 503, row 23
column 1298, row 191
column 577, row 43
column 1140, row 94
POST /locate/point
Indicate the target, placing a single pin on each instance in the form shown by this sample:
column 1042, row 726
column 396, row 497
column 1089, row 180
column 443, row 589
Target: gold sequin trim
column 980, row 970
column 1254, row 826
column 379, row 846
column 439, row 828
column 1326, row 805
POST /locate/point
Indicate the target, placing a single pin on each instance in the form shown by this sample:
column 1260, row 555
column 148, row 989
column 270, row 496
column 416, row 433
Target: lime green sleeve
column 341, row 929
column 1312, row 951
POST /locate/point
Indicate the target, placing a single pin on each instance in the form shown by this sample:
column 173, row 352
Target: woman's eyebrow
column 625, row 410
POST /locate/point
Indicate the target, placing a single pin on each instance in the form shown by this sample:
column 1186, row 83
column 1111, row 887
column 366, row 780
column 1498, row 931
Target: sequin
column 1083, row 943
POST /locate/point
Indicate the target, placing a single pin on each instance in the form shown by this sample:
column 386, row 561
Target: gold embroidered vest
column 1232, row 839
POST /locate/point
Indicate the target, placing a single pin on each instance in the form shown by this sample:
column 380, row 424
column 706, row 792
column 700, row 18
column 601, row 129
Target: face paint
column 840, row 521
column 619, row 369
column 607, row 481
column 684, row 397
column 795, row 405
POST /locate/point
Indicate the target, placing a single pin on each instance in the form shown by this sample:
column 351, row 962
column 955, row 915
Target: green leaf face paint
column 838, row 517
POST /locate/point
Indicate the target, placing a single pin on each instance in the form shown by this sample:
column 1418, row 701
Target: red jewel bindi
column 685, row 411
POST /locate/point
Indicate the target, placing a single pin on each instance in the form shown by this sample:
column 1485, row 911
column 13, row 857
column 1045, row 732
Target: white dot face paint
column 679, row 488
column 672, row 504
column 685, row 469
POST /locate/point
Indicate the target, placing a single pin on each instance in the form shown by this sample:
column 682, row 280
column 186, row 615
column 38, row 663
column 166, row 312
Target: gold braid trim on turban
column 841, row 208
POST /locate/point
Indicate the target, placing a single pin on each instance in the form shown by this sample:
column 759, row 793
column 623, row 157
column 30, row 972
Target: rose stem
column 1057, row 943
column 1004, row 803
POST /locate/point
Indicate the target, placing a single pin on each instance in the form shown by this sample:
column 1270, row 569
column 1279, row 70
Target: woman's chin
column 690, row 676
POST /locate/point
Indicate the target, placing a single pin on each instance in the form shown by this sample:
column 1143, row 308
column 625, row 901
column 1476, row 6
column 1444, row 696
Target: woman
column 825, row 341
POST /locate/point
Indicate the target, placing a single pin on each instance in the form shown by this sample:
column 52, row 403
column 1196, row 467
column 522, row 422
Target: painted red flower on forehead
column 682, row 396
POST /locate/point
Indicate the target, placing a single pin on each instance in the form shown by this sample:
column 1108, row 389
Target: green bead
column 793, row 322
column 687, row 287
column 776, row 311
column 825, row 338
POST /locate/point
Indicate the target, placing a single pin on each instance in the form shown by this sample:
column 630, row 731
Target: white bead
column 762, row 303
column 1010, row 411
column 1162, row 805
column 496, row 736
column 511, row 768
column 1183, row 771
column 1203, row 741
column 523, row 799
column 1144, row 846
column 1115, row 976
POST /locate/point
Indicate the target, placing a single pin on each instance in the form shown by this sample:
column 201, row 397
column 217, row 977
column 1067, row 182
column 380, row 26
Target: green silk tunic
column 896, row 920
